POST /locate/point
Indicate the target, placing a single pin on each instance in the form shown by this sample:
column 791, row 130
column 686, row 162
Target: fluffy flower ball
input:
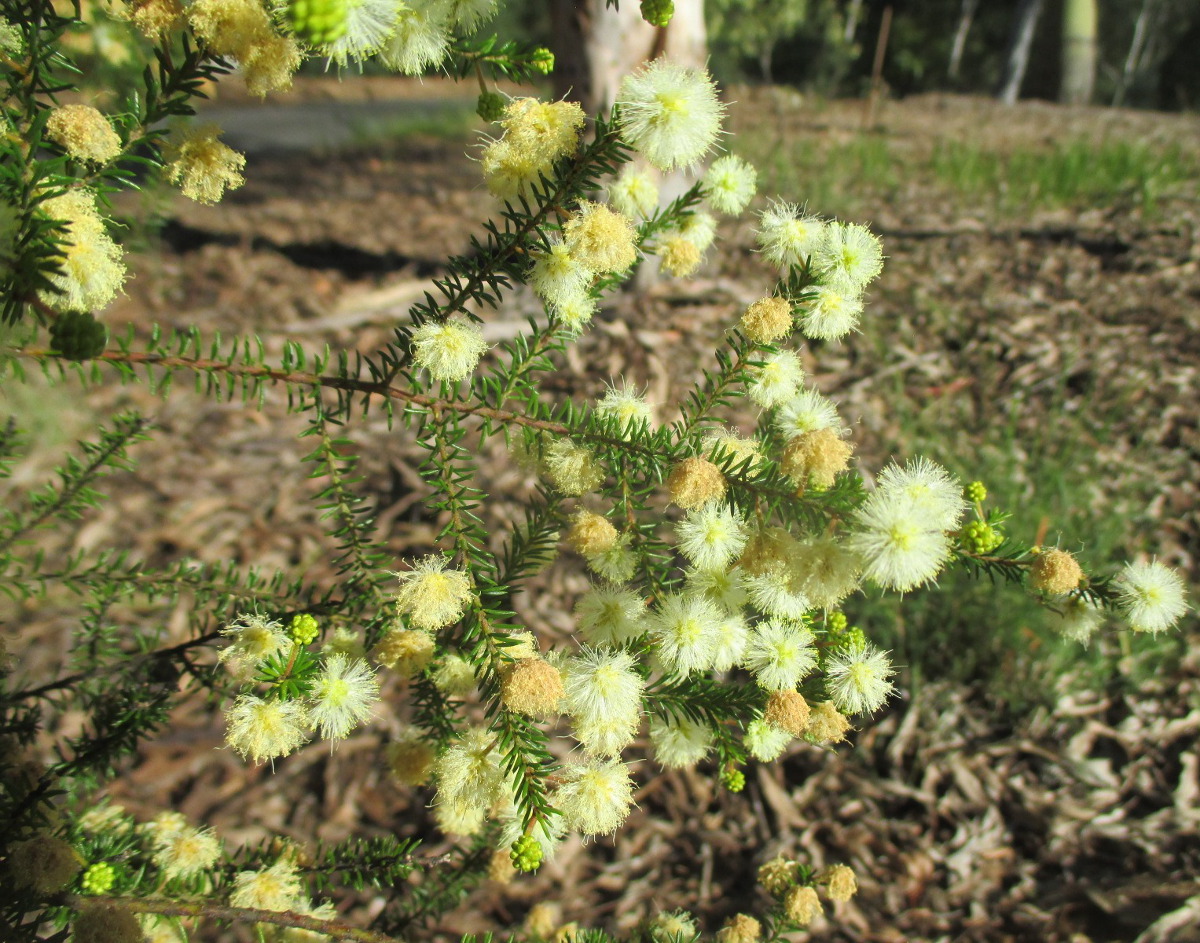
column 670, row 113
column 433, row 595
column 263, row 729
column 1151, row 596
column 203, row 167
column 84, row 133
column 730, row 184
column 449, row 350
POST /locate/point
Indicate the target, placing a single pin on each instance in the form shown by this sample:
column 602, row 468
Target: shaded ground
column 963, row 821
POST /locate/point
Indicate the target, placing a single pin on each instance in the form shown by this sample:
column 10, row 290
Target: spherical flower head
column 542, row 920
column 532, row 687
column 726, row 445
column 694, row 482
column 450, row 349
column 572, row 468
column 839, row 881
column 780, row 654
column 602, row 684
column 84, row 133
column 700, row 229
column 269, row 64
column 787, row 237
column 107, row 818
column 420, row 39
column 410, row 757
column 344, row 641
column 609, row 616
column 1055, row 572
column 805, row 412
column 831, row 313
column 405, row 651
column 203, row 167
column 617, row 563
column 779, row 591
column 591, row 533
column 788, row 711
column 731, row 638
column 459, row 819
column 826, row 724
column 575, row 312
column 507, row 169
column 679, row 256
column 858, row 679
column 275, row 888
column 433, row 595
column 229, row 27
column 634, row 193
column 557, row 276
column 740, row 928
column 766, row 742
column 777, row 876
column 468, row 772
column 255, row 638
column 466, row 16
column 98, row 878
column 930, row 487
column 595, row 798
column 600, row 239
column 900, row 545
column 369, row 23
column 767, row 320
column 547, row 130
column 677, row 926
column 43, row 864
column 105, row 922
column 154, row 18
column 669, row 113
column 263, row 729
column 342, row 696
column 1078, row 620
column 827, row 569
column 684, row 628
column 454, row 676
column 625, row 405
column 712, row 536
column 1151, row 596
column 802, row 906
column 91, row 268
column 726, row 588
column 187, row 853
column 778, row 379
column 679, row 742
column 730, row 184
column 607, row 736
column 164, row 826
column 848, row 257
column 816, row 458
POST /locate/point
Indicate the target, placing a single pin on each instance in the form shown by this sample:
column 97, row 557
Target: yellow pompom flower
column 263, row 729
column 450, row 350
column 203, row 167
column 669, row 113
column 83, row 133
column 600, row 239
column 91, row 268
column 432, row 595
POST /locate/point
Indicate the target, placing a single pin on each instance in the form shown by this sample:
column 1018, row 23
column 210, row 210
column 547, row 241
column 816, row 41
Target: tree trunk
column 966, row 14
column 1133, row 61
column 1021, row 41
column 595, row 46
column 1078, row 52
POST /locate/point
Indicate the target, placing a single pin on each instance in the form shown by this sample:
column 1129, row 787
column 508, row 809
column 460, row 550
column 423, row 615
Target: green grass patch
column 438, row 120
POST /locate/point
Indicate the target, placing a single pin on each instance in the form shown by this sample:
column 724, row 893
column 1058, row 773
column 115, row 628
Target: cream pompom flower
column 634, row 193
column 84, row 133
column 900, row 543
column 433, row 595
column 557, row 276
column 369, row 23
column 601, row 684
column 848, row 257
column 595, row 798
column 420, row 38
column 275, row 888
column 780, row 654
column 186, row 852
column 600, row 239
column 830, row 313
column 766, row 742
column 92, row 270
column 679, row 742
column 933, row 490
column 342, row 696
column 1151, row 596
column 449, row 350
column 807, row 411
column 858, row 679
column 778, row 379
column 685, row 630
column 626, row 405
column 203, row 167
column 264, row 728
column 669, row 113
column 730, row 184
column 255, row 638
column 610, row 616
column 712, row 536
column 787, row 237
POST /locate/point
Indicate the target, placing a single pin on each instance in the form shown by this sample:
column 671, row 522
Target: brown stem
column 201, row 909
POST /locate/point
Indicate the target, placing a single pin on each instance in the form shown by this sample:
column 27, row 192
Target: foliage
column 719, row 559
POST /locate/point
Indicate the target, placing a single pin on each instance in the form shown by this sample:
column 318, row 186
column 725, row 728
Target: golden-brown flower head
column 531, row 686
column 591, row 533
column 802, row 906
column 826, row 724
column 788, row 711
column 839, row 881
column 1055, row 571
column 816, row 457
column 767, row 320
column 694, row 482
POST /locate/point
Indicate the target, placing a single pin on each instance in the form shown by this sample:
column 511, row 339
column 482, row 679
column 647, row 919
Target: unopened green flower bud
column 733, row 779
column 77, row 335
column 658, row 12
column 98, row 878
column 981, row 537
column 303, row 628
column 526, row 853
column 317, row 22
column 490, row 106
column 836, row 622
column 542, row 60
column 976, row 492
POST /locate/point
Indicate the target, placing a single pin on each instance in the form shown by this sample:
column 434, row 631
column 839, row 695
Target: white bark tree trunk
column 1019, row 45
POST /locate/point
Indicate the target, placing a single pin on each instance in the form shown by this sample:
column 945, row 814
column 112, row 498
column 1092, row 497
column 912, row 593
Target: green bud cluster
column 836, row 622
column 303, row 629
column 976, row 492
column 490, row 106
column 542, row 60
column 658, row 12
column 317, row 22
column 733, row 779
column 98, row 878
column 77, row 335
column 981, row 537
column 526, row 854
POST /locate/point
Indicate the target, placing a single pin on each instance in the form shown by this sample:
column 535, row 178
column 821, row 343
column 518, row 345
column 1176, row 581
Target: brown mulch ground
column 963, row 821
